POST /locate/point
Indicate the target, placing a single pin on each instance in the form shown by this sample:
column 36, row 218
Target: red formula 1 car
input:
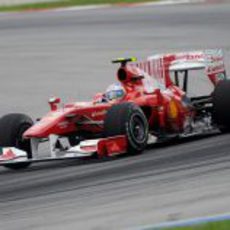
column 149, row 103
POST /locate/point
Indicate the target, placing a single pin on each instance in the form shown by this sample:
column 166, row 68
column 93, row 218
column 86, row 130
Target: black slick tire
column 127, row 119
column 221, row 105
column 12, row 127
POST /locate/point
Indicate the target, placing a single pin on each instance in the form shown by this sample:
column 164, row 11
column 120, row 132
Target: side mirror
column 54, row 101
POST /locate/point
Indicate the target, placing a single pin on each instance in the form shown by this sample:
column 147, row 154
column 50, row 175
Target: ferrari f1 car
column 149, row 103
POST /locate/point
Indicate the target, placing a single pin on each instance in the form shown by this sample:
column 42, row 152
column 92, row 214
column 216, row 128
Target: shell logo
column 173, row 110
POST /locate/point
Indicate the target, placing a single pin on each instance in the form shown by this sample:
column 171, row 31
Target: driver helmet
column 114, row 92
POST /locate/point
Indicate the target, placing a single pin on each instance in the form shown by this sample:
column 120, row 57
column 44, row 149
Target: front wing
column 102, row 147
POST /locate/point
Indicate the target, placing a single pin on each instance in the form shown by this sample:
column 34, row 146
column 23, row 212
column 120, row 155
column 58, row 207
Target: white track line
column 78, row 8
column 171, row 2
column 104, row 6
column 160, row 3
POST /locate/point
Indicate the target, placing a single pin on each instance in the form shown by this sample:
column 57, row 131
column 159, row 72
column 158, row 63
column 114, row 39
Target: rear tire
column 127, row 119
column 12, row 127
column 221, row 105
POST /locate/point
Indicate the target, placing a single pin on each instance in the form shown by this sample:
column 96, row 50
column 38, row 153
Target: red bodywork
column 89, row 116
column 147, row 84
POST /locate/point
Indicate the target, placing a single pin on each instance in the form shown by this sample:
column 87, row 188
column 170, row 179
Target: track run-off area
column 68, row 54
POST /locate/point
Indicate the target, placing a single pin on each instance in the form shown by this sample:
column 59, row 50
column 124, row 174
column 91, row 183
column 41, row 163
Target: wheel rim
column 137, row 128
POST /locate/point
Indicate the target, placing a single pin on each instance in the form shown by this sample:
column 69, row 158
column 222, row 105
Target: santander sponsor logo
column 195, row 56
column 98, row 113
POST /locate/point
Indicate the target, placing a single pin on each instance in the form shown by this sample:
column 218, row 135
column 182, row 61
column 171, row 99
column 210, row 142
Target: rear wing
column 159, row 66
column 212, row 61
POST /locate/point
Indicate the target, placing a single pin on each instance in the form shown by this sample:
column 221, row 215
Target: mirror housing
column 53, row 102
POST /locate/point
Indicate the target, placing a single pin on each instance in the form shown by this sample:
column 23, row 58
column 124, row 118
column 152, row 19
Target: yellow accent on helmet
column 124, row 60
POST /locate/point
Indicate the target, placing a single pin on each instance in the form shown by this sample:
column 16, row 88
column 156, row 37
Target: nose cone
column 39, row 130
column 45, row 126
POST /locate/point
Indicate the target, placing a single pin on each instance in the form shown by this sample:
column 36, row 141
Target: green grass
column 221, row 225
column 65, row 3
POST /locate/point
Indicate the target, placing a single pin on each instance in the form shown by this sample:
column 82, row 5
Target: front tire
column 127, row 119
column 12, row 127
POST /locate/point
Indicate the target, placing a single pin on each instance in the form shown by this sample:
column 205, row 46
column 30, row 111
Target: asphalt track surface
column 68, row 54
